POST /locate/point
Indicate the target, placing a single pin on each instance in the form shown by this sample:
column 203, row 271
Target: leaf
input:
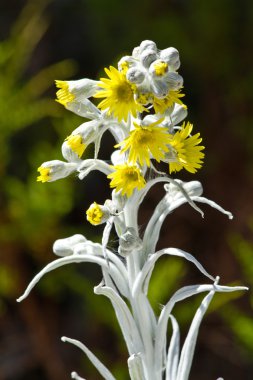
column 181, row 294
column 173, row 352
column 94, row 360
column 64, row 261
column 125, row 319
column 187, row 352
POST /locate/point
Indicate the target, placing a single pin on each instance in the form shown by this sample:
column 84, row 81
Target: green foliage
column 239, row 318
column 29, row 211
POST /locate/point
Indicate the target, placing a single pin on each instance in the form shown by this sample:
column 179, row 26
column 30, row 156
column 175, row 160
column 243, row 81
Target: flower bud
column 135, row 75
column 159, row 88
column 65, row 247
column 53, row 170
column 87, row 248
column 147, row 57
column 79, row 139
column 147, row 45
column 88, row 130
column 69, row 154
column 73, row 96
column 75, row 90
column 171, row 56
column 159, row 68
column 97, row 214
column 174, row 81
column 174, row 115
column 125, row 63
column 136, row 52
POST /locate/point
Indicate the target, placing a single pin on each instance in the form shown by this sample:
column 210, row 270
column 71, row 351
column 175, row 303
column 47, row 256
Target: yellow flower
column 75, row 142
column 44, row 174
column 126, row 178
column 94, row 214
column 118, row 94
column 64, row 96
column 185, row 152
column 160, row 105
column 160, row 68
column 145, row 142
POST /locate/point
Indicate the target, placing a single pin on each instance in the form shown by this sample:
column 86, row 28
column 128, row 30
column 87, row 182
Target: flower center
column 124, row 92
column 131, row 175
column 94, row 214
column 161, row 68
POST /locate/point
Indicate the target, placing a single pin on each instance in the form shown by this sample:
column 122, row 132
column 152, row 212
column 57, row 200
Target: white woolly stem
column 140, row 311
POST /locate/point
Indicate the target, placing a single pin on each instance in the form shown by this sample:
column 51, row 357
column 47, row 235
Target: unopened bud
column 65, row 247
column 171, row 56
column 147, row 57
column 97, row 214
column 174, row 81
column 53, row 170
column 147, row 44
column 135, row 75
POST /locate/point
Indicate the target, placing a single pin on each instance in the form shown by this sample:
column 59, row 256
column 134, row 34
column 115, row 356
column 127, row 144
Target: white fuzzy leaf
column 94, row 360
column 171, row 201
column 173, row 351
column 75, row 376
column 181, row 294
column 187, row 353
column 125, row 319
column 214, row 205
column 64, row 261
column 142, row 280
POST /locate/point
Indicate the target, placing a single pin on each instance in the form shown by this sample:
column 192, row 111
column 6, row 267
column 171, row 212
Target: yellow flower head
column 160, row 105
column 75, row 142
column 64, row 96
column 145, row 142
column 44, row 174
column 161, row 68
column 126, row 178
column 95, row 214
column 186, row 153
column 118, row 94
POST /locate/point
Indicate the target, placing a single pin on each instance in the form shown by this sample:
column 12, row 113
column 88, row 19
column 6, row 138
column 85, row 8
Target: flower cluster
column 140, row 104
column 141, row 107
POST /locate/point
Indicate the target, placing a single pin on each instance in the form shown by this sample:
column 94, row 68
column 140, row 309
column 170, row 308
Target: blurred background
column 44, row 40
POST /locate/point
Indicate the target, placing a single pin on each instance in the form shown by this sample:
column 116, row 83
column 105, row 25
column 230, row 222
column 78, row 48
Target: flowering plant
column 141, row 106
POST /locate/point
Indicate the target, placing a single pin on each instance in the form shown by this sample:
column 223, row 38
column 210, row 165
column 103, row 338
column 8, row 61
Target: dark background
column 61, row 39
